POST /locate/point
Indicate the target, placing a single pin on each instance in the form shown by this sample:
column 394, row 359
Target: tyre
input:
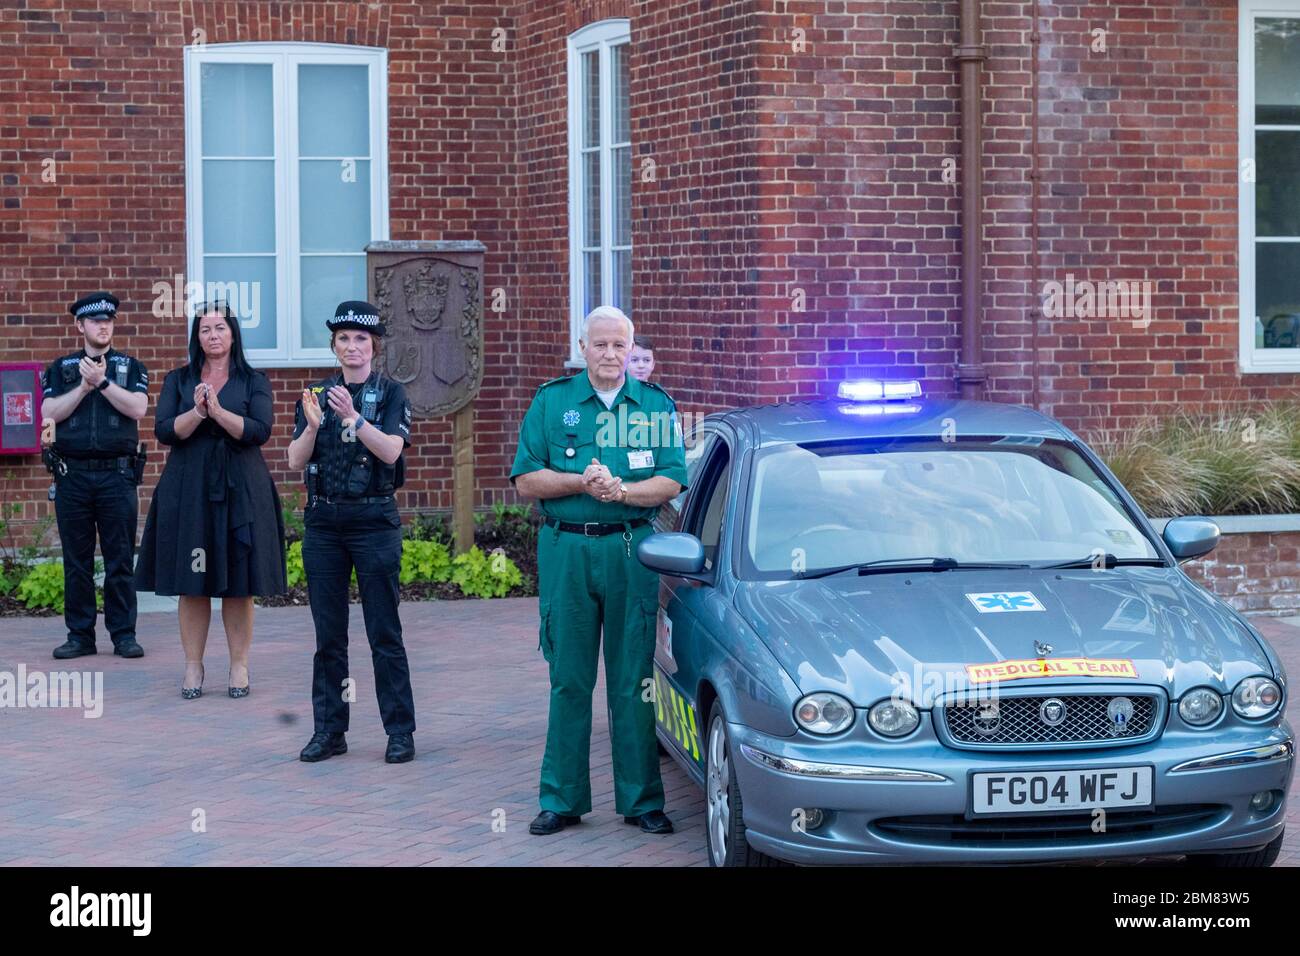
column 724, row 809
column 1264, row 856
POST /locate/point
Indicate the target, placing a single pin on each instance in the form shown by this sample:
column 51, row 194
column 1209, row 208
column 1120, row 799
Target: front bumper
column 908, row 802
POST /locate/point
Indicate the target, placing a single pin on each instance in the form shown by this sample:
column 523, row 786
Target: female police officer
column 350, row 431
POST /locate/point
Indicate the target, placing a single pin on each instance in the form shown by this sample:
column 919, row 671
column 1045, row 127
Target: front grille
column 1012, row 721
column 1065, row 828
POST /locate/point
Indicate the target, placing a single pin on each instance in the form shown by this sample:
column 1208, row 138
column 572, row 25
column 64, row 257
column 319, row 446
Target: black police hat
column 97, row 305
column 356, row 315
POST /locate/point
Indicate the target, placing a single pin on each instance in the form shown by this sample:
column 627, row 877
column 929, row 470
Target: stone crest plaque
column 430, row 296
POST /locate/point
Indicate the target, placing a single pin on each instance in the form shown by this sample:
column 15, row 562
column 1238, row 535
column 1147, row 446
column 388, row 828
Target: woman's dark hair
column 237, row 360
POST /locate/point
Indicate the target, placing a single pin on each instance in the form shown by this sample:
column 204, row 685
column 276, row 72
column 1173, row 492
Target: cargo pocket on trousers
column 545, row 639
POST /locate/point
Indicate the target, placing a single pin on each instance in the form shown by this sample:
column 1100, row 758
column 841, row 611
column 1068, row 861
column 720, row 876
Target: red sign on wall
column 20, row 424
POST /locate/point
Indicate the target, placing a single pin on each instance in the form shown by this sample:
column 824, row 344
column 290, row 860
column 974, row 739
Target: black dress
column 215, row 493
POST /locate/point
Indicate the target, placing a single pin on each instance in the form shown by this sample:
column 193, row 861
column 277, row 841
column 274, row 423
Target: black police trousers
column 86, row 502
column 368, row 537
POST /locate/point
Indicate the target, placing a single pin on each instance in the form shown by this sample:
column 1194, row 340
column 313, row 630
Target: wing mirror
column 672, row 552
column 1191, row 538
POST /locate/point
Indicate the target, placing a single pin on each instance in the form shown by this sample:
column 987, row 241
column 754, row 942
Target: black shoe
column 652, row 821
column 401, row 748
column 322, row 746
column 71, row 648
column 548, row 822
column 128, row 648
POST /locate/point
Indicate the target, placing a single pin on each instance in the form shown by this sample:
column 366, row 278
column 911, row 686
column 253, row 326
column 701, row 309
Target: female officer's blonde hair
column 606, row 312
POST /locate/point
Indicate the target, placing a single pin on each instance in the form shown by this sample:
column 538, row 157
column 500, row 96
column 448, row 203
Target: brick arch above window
column 585, row 12
column 350, row 24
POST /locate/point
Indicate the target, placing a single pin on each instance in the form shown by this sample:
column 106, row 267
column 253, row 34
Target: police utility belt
column 596, row 529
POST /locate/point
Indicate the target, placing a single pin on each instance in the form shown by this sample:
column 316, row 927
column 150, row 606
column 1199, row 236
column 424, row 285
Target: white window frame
column 1252, row 359
column 284, row 59
column 600, row 35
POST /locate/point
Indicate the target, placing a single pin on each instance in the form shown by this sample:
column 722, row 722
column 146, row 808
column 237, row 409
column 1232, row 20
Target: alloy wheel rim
column 718, row 802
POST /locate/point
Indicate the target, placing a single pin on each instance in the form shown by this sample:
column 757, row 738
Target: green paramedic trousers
column 586, row 584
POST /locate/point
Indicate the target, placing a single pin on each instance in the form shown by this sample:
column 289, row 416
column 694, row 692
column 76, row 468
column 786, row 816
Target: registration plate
column 1057, row 791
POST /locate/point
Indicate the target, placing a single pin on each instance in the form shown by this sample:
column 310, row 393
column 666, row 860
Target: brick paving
column 124, row 789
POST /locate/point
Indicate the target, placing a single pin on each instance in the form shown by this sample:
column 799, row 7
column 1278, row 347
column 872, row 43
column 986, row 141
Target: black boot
column 322, row 746
column 401, row 748
column 548, row 822
column 652, row 821
column 71, row 648
column 127, row 647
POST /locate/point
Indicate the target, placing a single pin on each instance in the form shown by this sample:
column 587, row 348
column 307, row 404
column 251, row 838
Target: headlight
column 1256, row 697
column 893, row 718
column 824, row 713
column 1200, row 706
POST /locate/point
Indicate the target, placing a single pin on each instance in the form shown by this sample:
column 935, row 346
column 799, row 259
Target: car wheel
column 1264, row 856
column 724, row 810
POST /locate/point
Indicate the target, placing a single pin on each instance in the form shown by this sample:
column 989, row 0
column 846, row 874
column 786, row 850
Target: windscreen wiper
column 894, row 565
column 1104, row 560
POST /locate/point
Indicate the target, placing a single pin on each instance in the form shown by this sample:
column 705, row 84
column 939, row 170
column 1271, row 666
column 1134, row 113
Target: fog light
column 813, row 819
column 1262, row 801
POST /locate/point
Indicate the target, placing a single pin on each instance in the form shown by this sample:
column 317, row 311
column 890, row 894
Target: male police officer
column 95, row 396
column 589, row 450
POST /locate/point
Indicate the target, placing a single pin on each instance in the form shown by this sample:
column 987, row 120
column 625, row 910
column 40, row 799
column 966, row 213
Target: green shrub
column 424, row 561
column 43, row 586
column 1230, row 463
column 295, row 573
column 8, row 580
column 485, row 575
column 290, row 507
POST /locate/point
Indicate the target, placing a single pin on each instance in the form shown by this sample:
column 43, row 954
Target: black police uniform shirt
column 349, row 468
column 95, row 429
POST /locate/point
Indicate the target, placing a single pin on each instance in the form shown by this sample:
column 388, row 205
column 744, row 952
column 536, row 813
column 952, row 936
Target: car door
column 683, row 602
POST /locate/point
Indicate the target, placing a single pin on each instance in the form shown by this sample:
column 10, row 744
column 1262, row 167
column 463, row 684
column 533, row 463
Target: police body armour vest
column 347, row 467
column 95, row 429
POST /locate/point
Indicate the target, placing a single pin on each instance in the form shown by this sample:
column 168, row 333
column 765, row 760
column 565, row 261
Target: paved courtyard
column 127, row 788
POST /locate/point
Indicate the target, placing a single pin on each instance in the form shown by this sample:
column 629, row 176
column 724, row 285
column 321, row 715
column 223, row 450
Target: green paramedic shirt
column 636, row 438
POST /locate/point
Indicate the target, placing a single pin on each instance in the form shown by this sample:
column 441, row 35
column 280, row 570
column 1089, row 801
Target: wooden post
column 462, row 493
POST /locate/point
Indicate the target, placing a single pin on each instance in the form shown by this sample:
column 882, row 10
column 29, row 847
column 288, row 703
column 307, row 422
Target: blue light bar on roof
column 875, row 390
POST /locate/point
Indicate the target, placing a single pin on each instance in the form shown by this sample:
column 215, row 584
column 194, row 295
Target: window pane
column 1277, row 71
column 239, row 205
column 249, row 290
column 333, row 205
column 1277, row 295
column 591, row 98
column 237, row 114
column 327, row 281
column 623, row 280
column 333, row 110
column 591, row 292
column 622, row 131
column 1277, row 184
column 591, row 198
column 622, row 182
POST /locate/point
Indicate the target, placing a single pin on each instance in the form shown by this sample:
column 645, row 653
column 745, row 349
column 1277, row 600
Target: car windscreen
column 1023, row 500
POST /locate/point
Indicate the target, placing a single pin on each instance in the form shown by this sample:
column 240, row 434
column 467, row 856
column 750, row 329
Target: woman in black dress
column 215, row 528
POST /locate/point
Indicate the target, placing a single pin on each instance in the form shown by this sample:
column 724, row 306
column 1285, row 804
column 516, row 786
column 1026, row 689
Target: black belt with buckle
column 355, row 501
column 99, row 464
column 596, row 529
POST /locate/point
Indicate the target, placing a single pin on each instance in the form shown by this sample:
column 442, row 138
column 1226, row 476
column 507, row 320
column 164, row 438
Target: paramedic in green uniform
column 602, row 451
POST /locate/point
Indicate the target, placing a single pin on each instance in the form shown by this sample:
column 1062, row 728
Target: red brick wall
column 785, row 164
column 1257, row 572
column 99, row 88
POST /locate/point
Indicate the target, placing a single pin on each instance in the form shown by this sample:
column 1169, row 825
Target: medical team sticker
column 1050, row 667
column 996, row 602
column 571, row 418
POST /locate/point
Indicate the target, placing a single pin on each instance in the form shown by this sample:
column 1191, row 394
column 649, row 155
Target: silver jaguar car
column 899, row 630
